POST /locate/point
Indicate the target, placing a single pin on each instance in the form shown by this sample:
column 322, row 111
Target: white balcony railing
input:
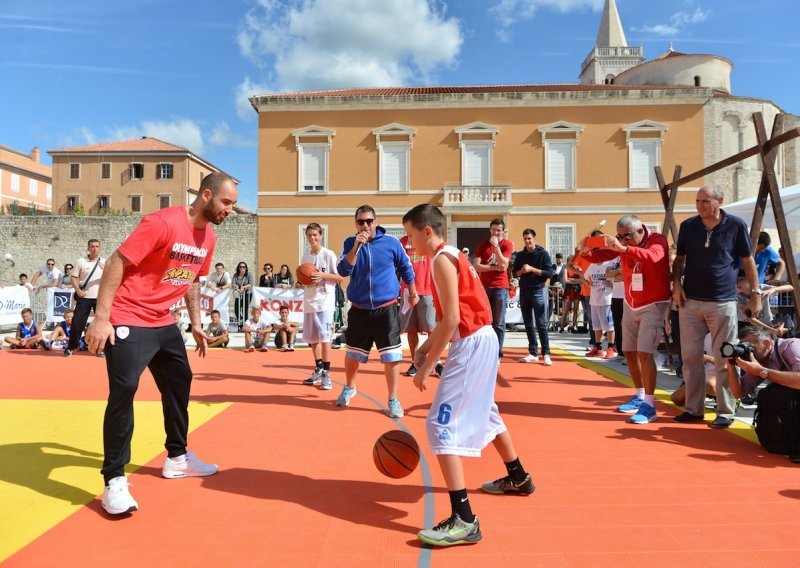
column 477, row 197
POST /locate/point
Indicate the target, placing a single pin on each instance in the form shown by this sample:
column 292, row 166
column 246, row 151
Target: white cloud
column 677, row 22
column 222, row 135
column 509, row 12
column 242, row 94
column 181, row 132
column 327, row 44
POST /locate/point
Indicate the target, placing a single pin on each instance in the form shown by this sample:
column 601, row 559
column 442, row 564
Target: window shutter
column 394, row 168
column 559, row 165
column 476, row 169
column 643, row 160
column 313, row 168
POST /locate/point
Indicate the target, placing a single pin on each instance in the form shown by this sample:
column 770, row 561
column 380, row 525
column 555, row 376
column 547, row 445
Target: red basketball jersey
column 473, row 304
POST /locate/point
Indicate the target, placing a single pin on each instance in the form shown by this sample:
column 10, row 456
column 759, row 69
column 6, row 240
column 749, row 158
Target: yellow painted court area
column 51, row 455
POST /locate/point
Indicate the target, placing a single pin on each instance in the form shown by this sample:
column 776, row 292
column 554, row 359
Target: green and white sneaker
column 452, row 531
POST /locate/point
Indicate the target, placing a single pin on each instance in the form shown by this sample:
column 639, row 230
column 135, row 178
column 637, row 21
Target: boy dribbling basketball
column 464, row 417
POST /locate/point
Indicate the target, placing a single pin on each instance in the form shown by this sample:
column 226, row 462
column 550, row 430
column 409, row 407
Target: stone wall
column 33, row 239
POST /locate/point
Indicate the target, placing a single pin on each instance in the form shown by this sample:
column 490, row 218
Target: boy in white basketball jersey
column 319, row 304
column 464, row 417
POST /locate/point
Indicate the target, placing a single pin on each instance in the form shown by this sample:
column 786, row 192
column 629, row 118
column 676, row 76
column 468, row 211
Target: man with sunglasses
column 372, row 259
column 51, row 274
column 645, row 275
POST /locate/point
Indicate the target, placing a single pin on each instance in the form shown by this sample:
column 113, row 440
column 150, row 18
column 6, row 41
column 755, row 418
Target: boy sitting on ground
column 29, row 334
column 217, row 331
column 285, row 331
column 256, row 332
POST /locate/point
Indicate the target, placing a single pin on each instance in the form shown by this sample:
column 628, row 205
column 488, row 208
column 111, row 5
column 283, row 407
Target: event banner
column 12, row 300
column 271, row 300
column 209, row 301
column 58, row 300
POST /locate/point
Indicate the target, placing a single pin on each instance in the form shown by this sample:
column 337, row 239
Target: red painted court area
column 298, row 487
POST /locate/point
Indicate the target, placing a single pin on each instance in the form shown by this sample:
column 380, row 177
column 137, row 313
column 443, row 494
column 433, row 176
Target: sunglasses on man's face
column 368, row 221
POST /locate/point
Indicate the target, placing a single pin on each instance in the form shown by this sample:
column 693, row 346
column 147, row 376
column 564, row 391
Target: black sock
column 515, row 470
column 319, row 363
column 459, row 503
column 326, row 366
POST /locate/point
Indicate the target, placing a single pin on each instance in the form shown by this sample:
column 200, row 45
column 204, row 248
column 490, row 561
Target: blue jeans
column 498, row 300
column 533, row 303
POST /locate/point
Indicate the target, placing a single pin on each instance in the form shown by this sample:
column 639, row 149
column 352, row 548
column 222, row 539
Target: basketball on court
column 396, row 454
column 304, row 272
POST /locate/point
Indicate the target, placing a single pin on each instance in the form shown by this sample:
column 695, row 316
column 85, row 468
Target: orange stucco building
column 24, row 181
column 132, row 176
column 557, row 158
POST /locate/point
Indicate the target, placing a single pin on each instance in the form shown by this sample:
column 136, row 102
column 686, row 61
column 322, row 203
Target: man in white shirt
column 49, row 274
column 86, row 276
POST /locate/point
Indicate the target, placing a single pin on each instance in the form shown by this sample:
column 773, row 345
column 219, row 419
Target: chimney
column 36, row 155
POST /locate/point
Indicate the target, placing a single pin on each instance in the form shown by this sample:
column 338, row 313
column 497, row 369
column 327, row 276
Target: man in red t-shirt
column 422, row 316
column 160, row 262
column 491, row 261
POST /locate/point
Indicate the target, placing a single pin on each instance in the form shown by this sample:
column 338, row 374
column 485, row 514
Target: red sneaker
column 593, row 352
column 610, row 353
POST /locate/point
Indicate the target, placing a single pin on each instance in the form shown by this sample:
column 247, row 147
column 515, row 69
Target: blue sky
column 86, row 71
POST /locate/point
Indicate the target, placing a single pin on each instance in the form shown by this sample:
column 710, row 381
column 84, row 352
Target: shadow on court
column 32, row 464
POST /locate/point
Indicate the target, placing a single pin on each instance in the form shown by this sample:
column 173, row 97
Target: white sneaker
column 325, row 381
column 529, row 359
column 548, row 362
column 117, row 499
column 187, row 465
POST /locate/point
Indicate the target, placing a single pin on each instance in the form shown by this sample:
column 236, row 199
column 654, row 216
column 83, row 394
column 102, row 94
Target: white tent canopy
column 790, row 198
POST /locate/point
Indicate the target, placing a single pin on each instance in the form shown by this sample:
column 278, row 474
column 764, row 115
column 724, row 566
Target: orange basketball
column 304, row 272
column 396, row 454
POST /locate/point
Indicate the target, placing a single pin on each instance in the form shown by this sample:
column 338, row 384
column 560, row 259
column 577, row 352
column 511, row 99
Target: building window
column 394, row 166
column 477, row 143
column 136, row 203
column 164, row 171
column 105, row 170
column 644, row 157
column 312, row 157
column 33, row 188
column 560, row 238
column 104, row 203
column 137, row 171
column 560, row 140
column 313, row 167
column 15, row 183
column 394, row 156
column 72, row 202
column 697, row 80
column 74, row 171
column 644, row 152
column 49, row 191
column 164, row 201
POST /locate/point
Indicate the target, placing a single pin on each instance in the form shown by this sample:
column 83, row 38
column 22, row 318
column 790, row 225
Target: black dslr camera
column 743, row 350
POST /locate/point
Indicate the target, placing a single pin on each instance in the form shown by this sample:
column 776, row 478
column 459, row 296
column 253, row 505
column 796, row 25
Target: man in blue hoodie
column 373, row 260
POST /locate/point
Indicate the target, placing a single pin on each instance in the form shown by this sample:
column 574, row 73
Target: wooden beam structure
column 767, row 150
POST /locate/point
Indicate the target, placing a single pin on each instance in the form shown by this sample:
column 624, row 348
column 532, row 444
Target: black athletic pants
column 160, row 349
column 616, row 314
column 83, row 307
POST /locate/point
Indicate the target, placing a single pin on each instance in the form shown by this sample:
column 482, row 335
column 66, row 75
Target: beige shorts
column 642, row 330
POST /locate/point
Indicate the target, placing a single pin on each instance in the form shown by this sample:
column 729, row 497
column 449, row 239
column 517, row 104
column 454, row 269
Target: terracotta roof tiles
column 143, row 144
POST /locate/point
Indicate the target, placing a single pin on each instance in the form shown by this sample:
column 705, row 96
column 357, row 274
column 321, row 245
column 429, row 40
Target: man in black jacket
column 534, row 268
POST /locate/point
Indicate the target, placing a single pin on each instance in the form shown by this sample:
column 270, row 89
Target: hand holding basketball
column 396, row 454
column 305, row 273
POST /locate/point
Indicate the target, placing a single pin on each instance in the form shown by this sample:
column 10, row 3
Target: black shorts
column 380, row 326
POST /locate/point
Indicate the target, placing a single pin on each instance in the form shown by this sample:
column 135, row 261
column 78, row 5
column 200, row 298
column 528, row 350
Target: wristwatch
column 764, row 374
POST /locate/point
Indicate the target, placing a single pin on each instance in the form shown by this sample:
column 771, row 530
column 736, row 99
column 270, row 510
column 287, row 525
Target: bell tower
column 610, row 55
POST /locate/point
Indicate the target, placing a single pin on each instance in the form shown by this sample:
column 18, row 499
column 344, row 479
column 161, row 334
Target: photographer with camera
column 763, row 357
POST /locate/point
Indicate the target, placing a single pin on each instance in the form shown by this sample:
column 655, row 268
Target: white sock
column 640, row 393
column 648, row 398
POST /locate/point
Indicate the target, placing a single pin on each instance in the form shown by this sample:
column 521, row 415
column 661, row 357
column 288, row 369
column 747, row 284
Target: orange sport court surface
column 297, row 486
